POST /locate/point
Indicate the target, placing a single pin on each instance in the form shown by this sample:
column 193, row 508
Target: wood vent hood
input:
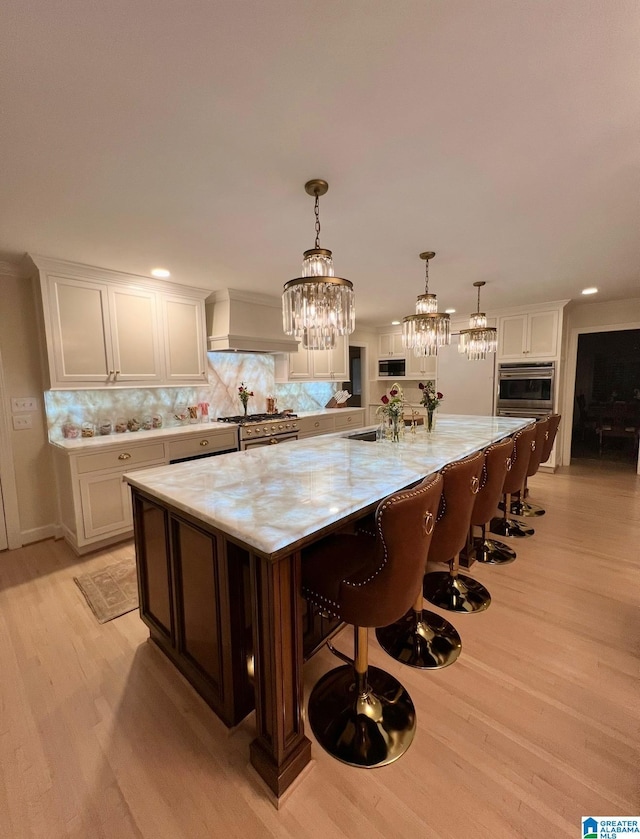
column 244, row 321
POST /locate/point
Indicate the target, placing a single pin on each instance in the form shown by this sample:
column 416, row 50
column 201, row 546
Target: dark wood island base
column 231, row 621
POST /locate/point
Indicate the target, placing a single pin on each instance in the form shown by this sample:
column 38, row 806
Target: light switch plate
column 22, row 421
column 23, row 403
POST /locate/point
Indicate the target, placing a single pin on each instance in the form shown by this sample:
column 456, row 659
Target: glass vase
column 396, row 428
column 431, row 421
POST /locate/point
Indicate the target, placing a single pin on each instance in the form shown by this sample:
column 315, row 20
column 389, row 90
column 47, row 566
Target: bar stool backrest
column 382, row 592
column 552, row 430
column 459, row 491
column 523, row 443
column 542, row 428
column 497, row 462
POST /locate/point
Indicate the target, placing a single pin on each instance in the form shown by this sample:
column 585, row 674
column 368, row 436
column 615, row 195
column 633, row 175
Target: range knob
column 266, row 429
column 288, row 425
column 281, row 427
column 249, row 432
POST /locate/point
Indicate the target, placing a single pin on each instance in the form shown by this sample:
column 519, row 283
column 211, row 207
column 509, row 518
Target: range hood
column 244, row 321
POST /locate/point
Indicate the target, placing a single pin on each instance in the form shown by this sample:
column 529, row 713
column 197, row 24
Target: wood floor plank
column 537, row 724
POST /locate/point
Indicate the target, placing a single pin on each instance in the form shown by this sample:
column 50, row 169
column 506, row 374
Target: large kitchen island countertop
column 220, row 547
column 272, row 497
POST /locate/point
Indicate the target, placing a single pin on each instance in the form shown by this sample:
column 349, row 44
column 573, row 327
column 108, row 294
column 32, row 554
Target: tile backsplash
column 225, row 371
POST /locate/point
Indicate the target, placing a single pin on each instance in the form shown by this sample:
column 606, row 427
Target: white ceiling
column 502, row 134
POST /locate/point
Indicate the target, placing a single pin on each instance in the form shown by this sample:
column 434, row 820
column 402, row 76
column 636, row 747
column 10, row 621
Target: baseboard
column 37, row 534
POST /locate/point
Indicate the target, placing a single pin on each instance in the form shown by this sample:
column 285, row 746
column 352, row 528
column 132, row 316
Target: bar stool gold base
column 457, row 594
column 523, row 508
column 510, row 527
column 421, row 639
column 493, row 552
column 367, row 729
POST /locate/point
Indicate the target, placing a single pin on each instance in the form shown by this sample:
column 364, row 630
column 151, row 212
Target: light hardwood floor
column 534, row 726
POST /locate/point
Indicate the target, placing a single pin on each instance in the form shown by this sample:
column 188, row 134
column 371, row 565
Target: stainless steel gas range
column 264, row 429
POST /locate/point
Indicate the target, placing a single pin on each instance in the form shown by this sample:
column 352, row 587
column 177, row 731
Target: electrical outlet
column 23, row 403
column 23, row 421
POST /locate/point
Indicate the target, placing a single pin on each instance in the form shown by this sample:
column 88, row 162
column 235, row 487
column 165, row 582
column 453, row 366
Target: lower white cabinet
column 95, row 503
column 339, row 420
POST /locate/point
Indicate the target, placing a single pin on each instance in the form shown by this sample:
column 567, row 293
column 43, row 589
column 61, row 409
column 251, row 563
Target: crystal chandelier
column 427, row 330
column 318, row 306
column 479, row 339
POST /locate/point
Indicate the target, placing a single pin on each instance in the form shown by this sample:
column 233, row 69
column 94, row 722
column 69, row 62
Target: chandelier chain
column 478, row 299
column 426, row 276
column 317, row 213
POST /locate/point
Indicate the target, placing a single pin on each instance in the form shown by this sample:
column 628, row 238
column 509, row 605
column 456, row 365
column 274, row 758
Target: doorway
column 606, row 415
column 354, row 385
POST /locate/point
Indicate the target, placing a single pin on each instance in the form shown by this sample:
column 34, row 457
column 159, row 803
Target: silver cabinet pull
column 204, row 442
column 124, row 456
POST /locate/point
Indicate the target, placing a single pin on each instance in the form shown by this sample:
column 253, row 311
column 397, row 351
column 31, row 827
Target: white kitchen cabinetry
column 318, row 364
column 339, row 419
column 185, row 339
column 528, row 336
column 94, row 501
column 421, row 367
column 390, row 345
column 103, row 328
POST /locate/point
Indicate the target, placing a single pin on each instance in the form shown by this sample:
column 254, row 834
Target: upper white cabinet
column 421, row 367
column 529, row 336
column 390, row 345
column 316, row 364
column 103, row 328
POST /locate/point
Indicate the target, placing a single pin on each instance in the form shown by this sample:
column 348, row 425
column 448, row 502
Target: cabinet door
column 512, row 338
column 154, row 574
column 80, row 332
column 421, row 367
column 106, row 505
column 300, row 364
column 135, row 335
column 340, row 359
column 543, row 335
column 184, row 335
column 390, row 344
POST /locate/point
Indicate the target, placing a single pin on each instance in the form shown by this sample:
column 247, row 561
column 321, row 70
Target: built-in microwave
column 392, row 368
column 526, row 386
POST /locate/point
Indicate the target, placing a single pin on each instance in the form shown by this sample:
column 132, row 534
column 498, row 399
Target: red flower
column 385, row 400
column 393, row 392
column 421, row 386
column 439, row 395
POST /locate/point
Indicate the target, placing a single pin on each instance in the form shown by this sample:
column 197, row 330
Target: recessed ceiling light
column 160, row 272
column 395, row 323
column 449, row 311
column 591, row 290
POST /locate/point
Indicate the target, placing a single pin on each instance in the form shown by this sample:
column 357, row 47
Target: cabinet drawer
column 203, row 443
column 125, row 457
column 349, row 420
column 316, row 425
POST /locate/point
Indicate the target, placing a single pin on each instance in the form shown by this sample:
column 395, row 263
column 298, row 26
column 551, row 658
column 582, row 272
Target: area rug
column 111, row 592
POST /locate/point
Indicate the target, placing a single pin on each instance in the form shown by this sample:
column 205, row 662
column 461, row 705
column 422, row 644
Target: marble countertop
column 172, row 431
column 132, row 437
column 273, row 496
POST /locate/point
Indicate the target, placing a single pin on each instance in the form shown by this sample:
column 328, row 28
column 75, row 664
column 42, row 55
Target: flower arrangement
column 392, row 408
column 430, row 396
column 244, row 394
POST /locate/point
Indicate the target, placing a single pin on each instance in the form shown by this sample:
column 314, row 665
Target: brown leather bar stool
column 452, row 590
column 523, row 445
column 520, row 507
column 362, row 715
column 553, row 421
column 497, row 462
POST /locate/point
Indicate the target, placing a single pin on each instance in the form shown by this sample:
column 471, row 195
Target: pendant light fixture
column 318, row 306
column 427, row 330
column 479, row 339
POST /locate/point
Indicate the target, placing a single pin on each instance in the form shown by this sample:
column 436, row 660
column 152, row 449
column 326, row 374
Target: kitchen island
column 219, row 544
